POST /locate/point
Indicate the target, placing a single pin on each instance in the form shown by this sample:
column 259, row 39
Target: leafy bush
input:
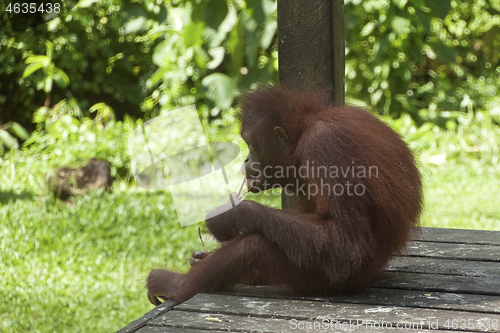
column 65, row 137
column 208, row 50
column 420, row 57
column 8, row 134
column 96, row 45
column 423, row 57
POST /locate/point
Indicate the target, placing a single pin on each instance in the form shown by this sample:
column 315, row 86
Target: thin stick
column 248, row 189
column 250, row 186
column 201, row 239
column 241, row 187
column 243, row 195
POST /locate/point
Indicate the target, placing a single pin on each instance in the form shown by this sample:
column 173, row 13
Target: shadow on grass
column 11, row 196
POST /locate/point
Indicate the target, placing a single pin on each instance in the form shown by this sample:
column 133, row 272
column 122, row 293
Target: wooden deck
column 449, row 280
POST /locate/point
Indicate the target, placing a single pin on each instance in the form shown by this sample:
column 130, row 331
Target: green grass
column 463, row 196
column 81, row 266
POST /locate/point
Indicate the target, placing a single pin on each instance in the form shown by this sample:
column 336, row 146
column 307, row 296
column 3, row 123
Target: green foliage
column 95, row 45
column 419, row 57
column 103, row 112
column 118, row 51
column 67, row 137
column 209, row 49
column 81, row 267
column 64, row 263
column 460, row 167
column 8, row 134
column 423, row 57
column 50, row 72
column 472, row 139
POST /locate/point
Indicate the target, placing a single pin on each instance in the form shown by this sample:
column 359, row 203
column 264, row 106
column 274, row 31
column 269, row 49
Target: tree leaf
column 400, row 3
column 31, row 68
column 104, row 112
column 236, row 47
column 269, row 6
column 19, row 131
column 217, row 54
column 61, row 79
column 38, row 59
column 201, row 57
column 49, row 48
column 135, row 25
column 221, row 89
column 160, row 52
column 8, row 140
column 367, row 29
column 193, row 33
column 85, row 3
column 269, row 34
column 400, row 24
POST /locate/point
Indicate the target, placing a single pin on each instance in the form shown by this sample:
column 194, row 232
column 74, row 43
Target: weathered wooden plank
column 425, row 300
column 464, row 236
column 443, row 277
column 225, row 305
column 157, row 329
column 483, row 252
column 435, row 282
column 430, row 265
column 395, row 297
column 141, row 322
column 178, row 321
column 228, row 322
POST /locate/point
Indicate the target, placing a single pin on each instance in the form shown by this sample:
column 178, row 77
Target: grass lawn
column 81, row 266
column 463, row 196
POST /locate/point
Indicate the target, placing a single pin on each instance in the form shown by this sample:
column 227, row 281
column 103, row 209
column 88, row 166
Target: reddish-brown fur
column 329, row 243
